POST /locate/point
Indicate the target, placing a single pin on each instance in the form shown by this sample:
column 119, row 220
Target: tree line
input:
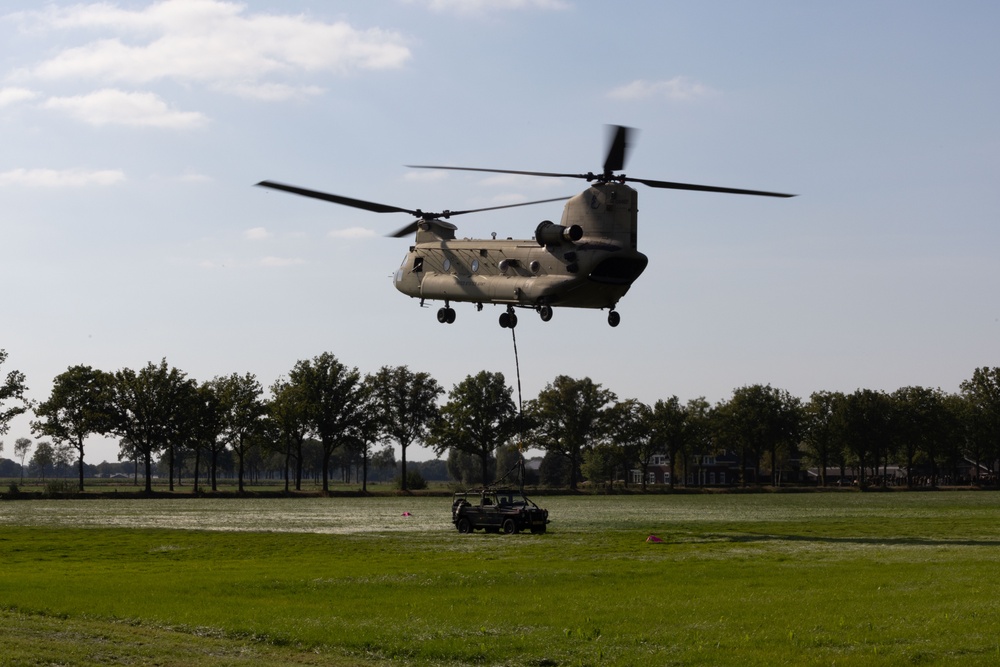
column 159, row 414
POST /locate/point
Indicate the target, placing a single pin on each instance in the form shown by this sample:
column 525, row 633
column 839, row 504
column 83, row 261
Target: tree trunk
column 148, row 463
column 197, row 462
column 79, row 449
column 170, row 465
column 403, row 468
column 364, row 468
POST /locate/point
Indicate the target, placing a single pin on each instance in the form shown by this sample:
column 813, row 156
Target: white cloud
column 213, row 42
column 116, row 107
column 257, row 234
column 352, row 233
column 677, row 89
column 269, row 92
column 426, row 175
column 485, row 6
column 52, row 178
column 9, row 96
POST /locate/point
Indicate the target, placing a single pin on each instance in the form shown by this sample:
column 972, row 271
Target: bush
column 58, row 487
column 414, row 481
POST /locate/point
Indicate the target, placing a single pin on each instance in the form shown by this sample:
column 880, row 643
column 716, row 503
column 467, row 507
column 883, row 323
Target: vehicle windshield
column 510, row 499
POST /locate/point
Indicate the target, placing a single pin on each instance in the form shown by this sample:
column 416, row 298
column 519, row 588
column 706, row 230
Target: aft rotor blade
column 615, row 161
column 448, row 214
column 704, row 188
column 503, row 171
column 405, row 231
column 336, row 199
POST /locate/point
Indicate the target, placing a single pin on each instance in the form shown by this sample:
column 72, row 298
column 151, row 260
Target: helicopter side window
column 418, row 264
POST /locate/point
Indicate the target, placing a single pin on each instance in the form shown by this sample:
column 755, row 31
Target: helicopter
column 589, row 260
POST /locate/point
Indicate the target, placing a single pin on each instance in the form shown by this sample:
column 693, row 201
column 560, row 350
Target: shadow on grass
column 747, row 538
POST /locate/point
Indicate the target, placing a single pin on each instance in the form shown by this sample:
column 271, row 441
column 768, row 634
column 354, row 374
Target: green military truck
column 497, row 510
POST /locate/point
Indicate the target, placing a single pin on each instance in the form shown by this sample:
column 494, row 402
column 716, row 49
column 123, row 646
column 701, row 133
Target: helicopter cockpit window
column 418, row 264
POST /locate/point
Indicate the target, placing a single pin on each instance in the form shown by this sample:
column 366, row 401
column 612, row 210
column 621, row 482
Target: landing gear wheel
column 450, row 315
column 508, row 320
column 446, row 315
column 508, row 527
column 614, row 318
column 545, row 312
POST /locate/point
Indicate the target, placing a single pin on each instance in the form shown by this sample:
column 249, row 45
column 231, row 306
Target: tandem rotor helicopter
column 588, row 260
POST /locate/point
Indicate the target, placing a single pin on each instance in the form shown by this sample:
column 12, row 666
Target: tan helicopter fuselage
column 589, row 260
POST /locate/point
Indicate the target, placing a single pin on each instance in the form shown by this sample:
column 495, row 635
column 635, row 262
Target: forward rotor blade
column 704, row 188
column 337, row 199
column 617, row 149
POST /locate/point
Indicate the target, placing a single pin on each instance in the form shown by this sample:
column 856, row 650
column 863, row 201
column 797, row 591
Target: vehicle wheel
column 545, row 312
column 508, row 527
column 614, row 318
column 464, row 525
column 537, row 530
column 450, row 315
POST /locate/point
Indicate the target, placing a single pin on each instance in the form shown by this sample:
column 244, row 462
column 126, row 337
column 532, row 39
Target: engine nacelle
column 549, row 233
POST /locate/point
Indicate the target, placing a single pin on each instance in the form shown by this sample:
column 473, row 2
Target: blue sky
column 133, row 132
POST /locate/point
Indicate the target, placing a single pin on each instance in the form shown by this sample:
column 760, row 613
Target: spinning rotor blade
column 337, row 199
column 495, row 208
column 434, row 218
column 703, row 188
column 615, row 162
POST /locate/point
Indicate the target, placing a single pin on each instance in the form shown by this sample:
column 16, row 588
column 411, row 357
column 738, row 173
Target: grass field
column 750, row 579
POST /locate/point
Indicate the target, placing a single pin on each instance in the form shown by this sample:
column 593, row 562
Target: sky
column 133, row 132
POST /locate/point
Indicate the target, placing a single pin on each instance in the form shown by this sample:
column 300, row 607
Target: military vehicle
column 589, row 260
column 497, row 510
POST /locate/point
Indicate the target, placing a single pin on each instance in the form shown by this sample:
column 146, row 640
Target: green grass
column 758, row 579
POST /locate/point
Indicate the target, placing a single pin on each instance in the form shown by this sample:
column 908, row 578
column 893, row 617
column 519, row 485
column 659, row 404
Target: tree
column 759, row 419
column 863, row 421
column 144, row 409
column 44, row 457
column 289, row 410
column 982, row 392
column 665, row 424
column 820, row 440
column 21, row 448
column 407, row 405
column 334, row 398
column 12, row 389
column 77, row 408
column 367, row 429
column 697, row 432
column 384, row 460
column 569, row 419
column 917, row 414
column 241, row 410
column 203, row 430
column 629, row 432
column 479, row 417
